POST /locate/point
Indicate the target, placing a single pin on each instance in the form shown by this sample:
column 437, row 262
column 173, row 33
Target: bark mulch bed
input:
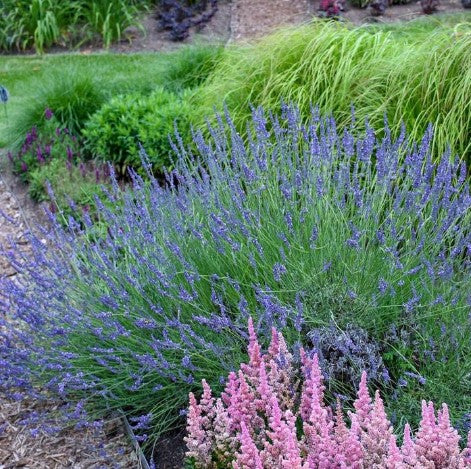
column 23, row 446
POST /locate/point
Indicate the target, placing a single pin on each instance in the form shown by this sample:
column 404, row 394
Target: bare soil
column 169, row 451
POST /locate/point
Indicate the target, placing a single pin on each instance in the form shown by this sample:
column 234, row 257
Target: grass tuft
column 415, row 75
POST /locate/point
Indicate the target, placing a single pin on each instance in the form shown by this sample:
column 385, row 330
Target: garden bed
column 215, row 279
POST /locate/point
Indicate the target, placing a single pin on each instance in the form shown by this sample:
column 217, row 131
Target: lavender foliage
column 345, row 353
column 295, row 226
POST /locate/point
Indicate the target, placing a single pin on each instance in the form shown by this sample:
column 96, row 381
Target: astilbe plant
column 271, row 228
column 272, row 416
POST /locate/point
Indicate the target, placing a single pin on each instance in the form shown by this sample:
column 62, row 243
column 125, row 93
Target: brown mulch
column 20, row 445
column 25, row 447
column 254, row 19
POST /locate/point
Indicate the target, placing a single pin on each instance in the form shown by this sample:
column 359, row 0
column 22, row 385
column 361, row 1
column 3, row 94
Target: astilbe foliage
column 160, row 300
column 261, row 426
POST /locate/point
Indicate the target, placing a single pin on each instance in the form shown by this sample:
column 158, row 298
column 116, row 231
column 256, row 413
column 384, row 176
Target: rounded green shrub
column 116, row 130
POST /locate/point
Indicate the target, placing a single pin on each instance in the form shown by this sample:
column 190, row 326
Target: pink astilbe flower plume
column 348, row 442
column 448, row 450
column 318, row 427
column 274, row 348
column 264, row 390
column 251, row 369
column 436, row 440
column 248, row 456
column 225, row 441
column 207, row 404
column 363, row 404
column 409, row 455
column 340, row 429
column 280, row 375
column 351, row 448
column 394, row 459
column 313, row 387
column 376, row 435
column 282, row 449
column 427, row 436
column 199, row 446
column 241, row 406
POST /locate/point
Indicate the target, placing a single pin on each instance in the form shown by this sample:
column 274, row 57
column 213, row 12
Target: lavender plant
column 344, row 354
column 137, row 318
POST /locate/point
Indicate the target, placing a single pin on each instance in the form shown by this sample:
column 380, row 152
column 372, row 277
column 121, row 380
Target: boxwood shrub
column 115, row 132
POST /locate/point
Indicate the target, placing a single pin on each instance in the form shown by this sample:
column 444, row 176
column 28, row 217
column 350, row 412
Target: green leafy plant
column 42, row 23
column 116, row 130
column 74, row 186
column 110, row 18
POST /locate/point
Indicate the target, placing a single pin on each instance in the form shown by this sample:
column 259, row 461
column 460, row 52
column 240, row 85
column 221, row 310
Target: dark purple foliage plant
column 378, row 7
column 298, row 226
column 429, row 6
column 179, row 16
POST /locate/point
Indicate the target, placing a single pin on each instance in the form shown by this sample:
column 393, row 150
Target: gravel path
column 20, row 447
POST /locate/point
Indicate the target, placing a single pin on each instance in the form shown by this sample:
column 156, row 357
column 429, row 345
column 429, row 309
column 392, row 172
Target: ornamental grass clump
column 300, row 227
column 413, row 76
column 272, row 415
